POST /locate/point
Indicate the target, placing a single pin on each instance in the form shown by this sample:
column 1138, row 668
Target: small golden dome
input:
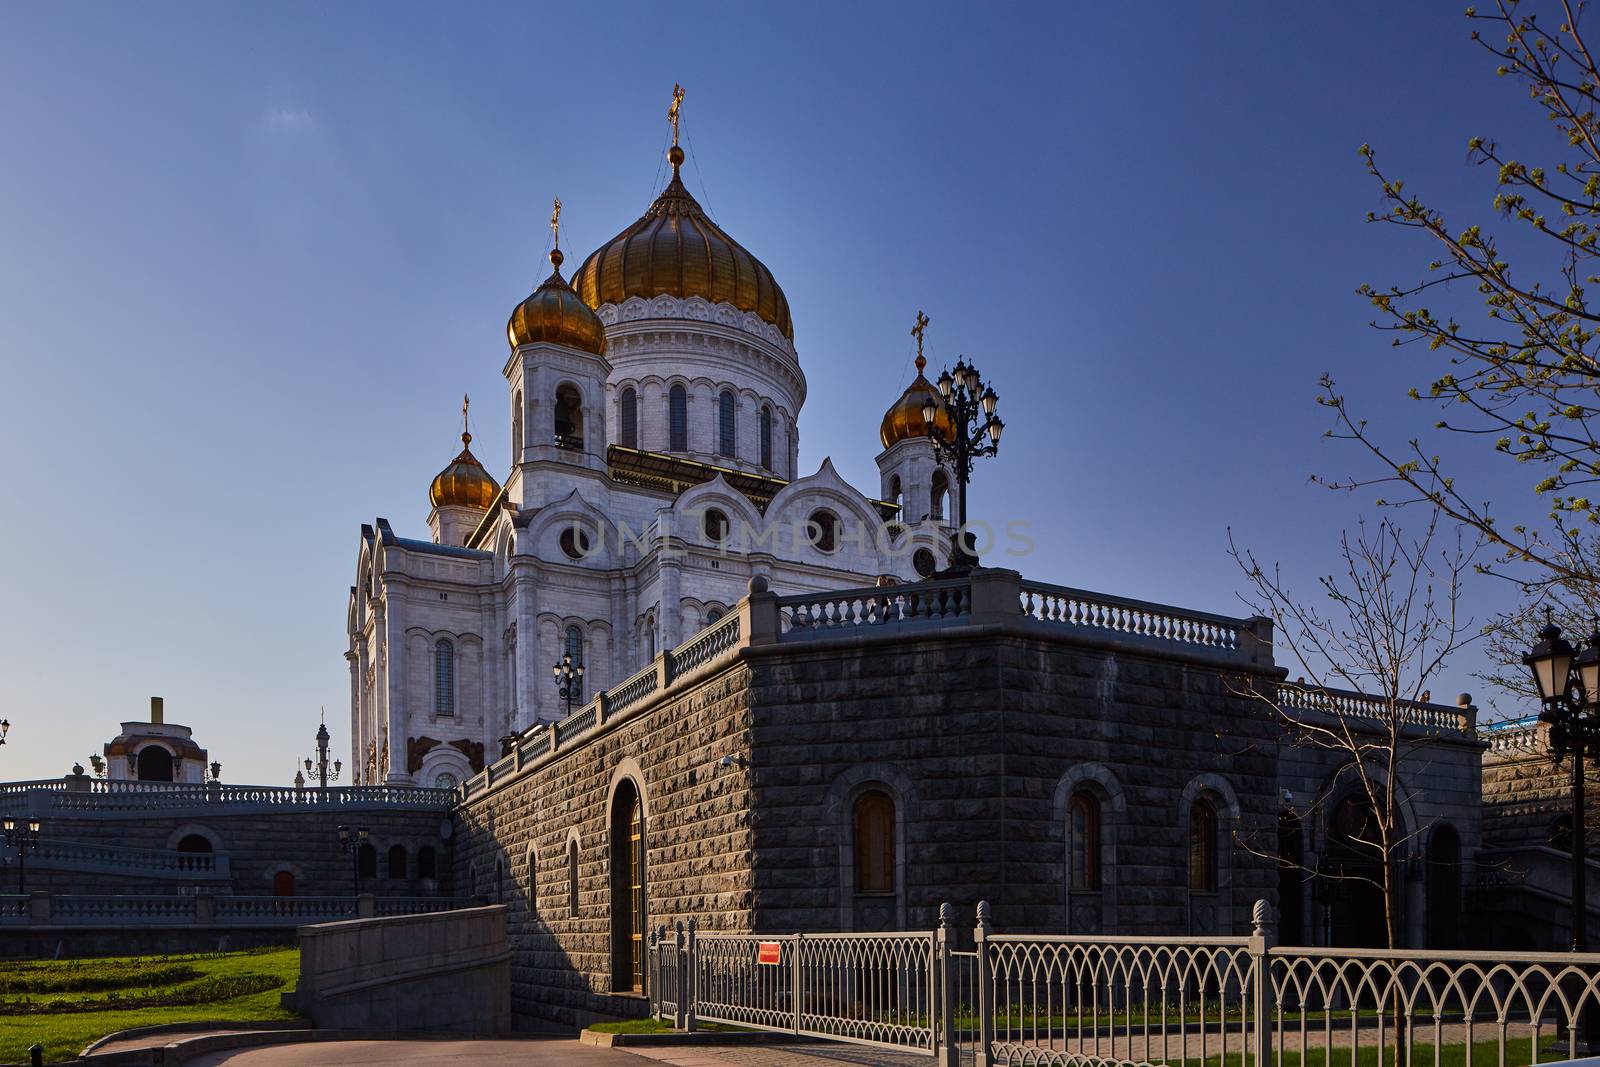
column 904, row 419
column 553, row 313
column 464, row 484
column 674, row 248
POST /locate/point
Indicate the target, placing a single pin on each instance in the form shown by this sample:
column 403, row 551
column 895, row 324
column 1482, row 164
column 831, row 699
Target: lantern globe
column 1550, row 661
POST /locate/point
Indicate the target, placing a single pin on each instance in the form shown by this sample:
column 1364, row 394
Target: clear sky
column 251, row 258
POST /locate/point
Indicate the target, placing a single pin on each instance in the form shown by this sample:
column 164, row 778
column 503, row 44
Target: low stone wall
column 448, row 971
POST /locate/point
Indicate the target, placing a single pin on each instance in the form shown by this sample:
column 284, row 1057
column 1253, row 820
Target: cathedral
column 653, row 403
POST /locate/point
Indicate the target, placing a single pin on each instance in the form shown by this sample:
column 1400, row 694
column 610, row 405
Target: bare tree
column 1521, row 374
column 1368, row 653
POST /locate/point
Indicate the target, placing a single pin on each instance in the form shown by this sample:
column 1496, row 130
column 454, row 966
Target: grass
column 651, row 1026
column 66, row 1004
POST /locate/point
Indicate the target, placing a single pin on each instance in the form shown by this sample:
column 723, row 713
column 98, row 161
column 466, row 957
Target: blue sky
column 251, row 258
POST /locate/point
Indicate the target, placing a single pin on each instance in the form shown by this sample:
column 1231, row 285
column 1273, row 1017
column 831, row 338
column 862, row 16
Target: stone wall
column 259, row 842
column 445, row 972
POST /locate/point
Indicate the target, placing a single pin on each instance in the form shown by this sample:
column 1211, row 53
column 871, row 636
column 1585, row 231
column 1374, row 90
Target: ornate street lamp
column 569, row 679
column 1569, row 689
column 216, row 773
column 972, row 431
column 5, row 728
column 320, row 765
column 21, row 834
column 351, row 839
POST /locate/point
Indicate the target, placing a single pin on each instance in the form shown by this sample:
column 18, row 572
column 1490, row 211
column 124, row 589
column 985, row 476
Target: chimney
column 157, row 714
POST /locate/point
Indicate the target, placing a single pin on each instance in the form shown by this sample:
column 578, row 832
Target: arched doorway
column 1291, row 881
column 194, row 843
column 627, row 889
column 155, row 764
column 283, row 884
column 1444, row 888
column 1352, row 874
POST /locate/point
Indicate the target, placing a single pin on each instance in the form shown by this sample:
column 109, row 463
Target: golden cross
column 672, row 112
column 555, row 224
column 917, row 330
column 466, row 402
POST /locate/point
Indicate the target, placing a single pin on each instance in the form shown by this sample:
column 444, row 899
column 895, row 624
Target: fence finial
column 983, row 912
column 947, row 914
column 1261, row 917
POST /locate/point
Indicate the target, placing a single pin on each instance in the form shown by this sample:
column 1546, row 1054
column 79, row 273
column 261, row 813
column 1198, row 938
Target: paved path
column 827, row 1054
column 534, row 1052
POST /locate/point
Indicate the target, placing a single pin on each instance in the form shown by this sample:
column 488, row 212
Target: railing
column 1513, row 736
column 1131, row 618
column 706, row 646
column 576, row 723
column 147, row 862
column 635, row 689
column 850, row 609
column 1341, row 703
column 297, row 910
column 99, row 795
column 125, row 910
column 866, row 989
column 1020, row 999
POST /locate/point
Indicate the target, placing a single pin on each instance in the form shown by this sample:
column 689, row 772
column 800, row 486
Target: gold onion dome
column 464, row 484
column 904, row 418
column 554, row 314
column 676, row 249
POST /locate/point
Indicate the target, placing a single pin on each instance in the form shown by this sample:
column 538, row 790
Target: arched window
column 516, row 427
column 569, row 417
column 283, row 884
column 822, row 529
column 444, row 678
column 444, row 780
column 572, row 879
column 650, row 636
column 630, row 418
column 715, row 525
column 1083, row 824
column 941, row 492
column 714, row 615
column 1202, row 847
column 894, row 491
column 627, row 889
column 575, row 650
column 677, row 419
column 367, row 862
column 195, row 843
column 427, row 865
column 397, row 861
column 766, row 437
column 727, row 436
column 874, row 842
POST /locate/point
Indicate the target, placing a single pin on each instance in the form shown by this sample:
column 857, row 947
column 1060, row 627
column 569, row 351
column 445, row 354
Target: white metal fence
column 1038, row 999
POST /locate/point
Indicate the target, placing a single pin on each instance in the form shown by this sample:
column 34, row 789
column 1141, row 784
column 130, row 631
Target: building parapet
column 84, row 856
column 92, row 796
column 128, row 910
column 1347, row 704
column 986, row 597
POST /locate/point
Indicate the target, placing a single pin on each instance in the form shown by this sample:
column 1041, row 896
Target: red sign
column 769, row 952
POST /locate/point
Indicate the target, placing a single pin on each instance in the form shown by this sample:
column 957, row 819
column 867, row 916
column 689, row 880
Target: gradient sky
column 251, row 259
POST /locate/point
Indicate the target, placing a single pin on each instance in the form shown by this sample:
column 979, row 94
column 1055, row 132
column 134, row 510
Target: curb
column 696, row 1039
column 180, row 1052
column 191, row 1027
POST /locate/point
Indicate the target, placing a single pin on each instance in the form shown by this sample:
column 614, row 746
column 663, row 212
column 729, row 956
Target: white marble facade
column 452, row 639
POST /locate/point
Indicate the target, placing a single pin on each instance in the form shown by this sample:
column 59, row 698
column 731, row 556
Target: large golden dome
column 553, row 313
column 464, row 484
column 676, row 249
column 904, row 418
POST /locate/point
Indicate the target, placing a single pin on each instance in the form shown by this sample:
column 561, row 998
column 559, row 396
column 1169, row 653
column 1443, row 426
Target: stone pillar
column 394, row 640
column 356, row 724
column 379, row 666
column 671, row 597
column 996, row 595
column 760, row 624
column 1256, row 640
column 527, row 647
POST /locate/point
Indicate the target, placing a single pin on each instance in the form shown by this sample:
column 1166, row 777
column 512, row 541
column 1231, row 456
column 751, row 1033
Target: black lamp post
column 569, row 679
column 320, row 765
column 969, row 430
column 5, row 728
column 351, row 839
column 21, row 834
column 1569, row 689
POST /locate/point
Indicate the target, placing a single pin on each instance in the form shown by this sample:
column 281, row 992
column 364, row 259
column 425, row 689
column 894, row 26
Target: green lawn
column 66, row 1004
